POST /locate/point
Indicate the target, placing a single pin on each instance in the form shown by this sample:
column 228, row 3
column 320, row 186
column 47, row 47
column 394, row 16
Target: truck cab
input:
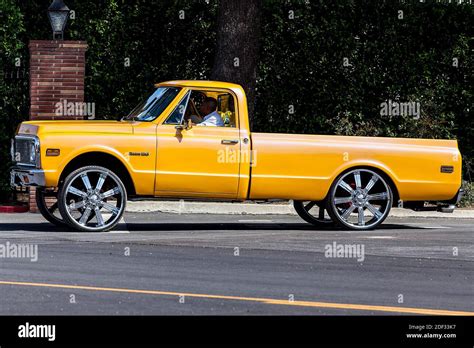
column 198, row 161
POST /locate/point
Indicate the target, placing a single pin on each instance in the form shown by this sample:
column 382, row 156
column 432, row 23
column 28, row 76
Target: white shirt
column 213, row 119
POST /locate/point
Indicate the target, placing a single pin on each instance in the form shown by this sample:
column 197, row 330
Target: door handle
column 229, row 141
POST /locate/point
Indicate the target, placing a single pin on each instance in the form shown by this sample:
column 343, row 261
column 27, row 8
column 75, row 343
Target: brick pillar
column 57, row 70
column 56, row 74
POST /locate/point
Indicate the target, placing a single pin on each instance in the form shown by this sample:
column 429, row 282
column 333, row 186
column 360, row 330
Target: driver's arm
column 195, row 119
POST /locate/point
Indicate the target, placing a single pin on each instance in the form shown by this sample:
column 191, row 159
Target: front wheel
column 359, row 199
column 92, row 199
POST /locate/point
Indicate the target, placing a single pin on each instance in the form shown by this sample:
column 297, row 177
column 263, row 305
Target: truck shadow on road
column 244, row 227
column 192, row 226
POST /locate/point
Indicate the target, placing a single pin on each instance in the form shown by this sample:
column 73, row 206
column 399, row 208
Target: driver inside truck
column 212, row 118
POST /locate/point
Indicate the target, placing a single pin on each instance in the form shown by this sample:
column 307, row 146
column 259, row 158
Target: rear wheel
column 313, row 212
column 359, row 199
column 47, row 203
column 92, row 199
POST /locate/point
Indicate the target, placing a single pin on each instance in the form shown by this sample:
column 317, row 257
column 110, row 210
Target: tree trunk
column 238, row 42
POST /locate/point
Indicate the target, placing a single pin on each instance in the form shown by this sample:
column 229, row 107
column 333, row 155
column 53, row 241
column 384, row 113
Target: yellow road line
column 360, row 307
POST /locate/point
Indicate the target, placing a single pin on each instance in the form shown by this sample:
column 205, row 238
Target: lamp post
column 58, row 14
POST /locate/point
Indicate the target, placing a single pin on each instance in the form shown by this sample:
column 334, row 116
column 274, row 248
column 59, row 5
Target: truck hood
column 54, row 126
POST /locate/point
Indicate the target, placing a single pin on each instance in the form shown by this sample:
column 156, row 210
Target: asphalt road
column 236, row 264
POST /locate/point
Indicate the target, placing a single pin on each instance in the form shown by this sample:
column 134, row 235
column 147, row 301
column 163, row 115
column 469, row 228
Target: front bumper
column 20, row 176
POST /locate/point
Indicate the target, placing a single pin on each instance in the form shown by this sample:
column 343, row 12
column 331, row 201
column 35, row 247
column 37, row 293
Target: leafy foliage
column 303, row 85
column 12, row 89
column 399, row 51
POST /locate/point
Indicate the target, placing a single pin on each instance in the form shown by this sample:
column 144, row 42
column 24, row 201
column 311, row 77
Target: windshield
column 151, row 108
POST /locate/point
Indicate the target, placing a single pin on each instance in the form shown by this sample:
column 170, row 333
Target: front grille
column 24, row 153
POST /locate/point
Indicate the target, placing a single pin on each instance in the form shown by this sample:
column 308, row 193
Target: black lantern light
column 58, row 14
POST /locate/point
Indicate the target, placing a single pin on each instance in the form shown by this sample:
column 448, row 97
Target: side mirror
column 186, row 126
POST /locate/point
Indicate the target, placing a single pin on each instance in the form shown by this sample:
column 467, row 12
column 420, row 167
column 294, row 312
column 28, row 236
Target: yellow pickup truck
column 85, row 171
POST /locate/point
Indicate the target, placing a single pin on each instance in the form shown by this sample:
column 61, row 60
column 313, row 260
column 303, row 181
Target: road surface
column 200, row 264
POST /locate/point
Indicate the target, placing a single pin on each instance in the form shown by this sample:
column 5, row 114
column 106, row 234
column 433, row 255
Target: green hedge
column 13, row 85
column 301, row 65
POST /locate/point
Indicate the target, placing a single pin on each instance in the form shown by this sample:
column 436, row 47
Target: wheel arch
column 383, row 172
column 103, row 159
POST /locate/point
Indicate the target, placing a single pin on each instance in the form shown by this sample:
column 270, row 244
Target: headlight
column 33, row 153
column 12, row 150
column 26, row 151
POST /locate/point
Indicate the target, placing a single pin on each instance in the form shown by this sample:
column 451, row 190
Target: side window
column 226, row 109
column 211, row 108
column 176, row 117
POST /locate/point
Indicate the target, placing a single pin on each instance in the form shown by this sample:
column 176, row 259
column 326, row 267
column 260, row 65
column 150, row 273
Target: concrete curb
column 184, row 207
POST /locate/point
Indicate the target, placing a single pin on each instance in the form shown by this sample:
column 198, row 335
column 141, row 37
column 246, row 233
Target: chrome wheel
column 313, row 212
column 92, row 199
column 47, row 203
column 360, row 199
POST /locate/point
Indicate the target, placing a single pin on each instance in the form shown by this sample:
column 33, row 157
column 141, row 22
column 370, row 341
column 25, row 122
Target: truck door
column 199, row 162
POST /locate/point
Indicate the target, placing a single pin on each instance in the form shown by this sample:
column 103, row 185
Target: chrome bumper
column 26, row 177
column 459, row 195
column 441, row 206
column 449, row 206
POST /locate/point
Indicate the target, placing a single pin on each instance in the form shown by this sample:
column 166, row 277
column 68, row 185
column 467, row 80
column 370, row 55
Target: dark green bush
column 13, row 84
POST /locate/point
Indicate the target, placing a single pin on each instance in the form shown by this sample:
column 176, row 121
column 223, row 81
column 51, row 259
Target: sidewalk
column 284, row 208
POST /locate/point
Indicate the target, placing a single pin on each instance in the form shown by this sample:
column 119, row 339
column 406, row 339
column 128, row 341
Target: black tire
column 303, row 209
column 89, row 201
column 51, row 212
column 363, row 197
